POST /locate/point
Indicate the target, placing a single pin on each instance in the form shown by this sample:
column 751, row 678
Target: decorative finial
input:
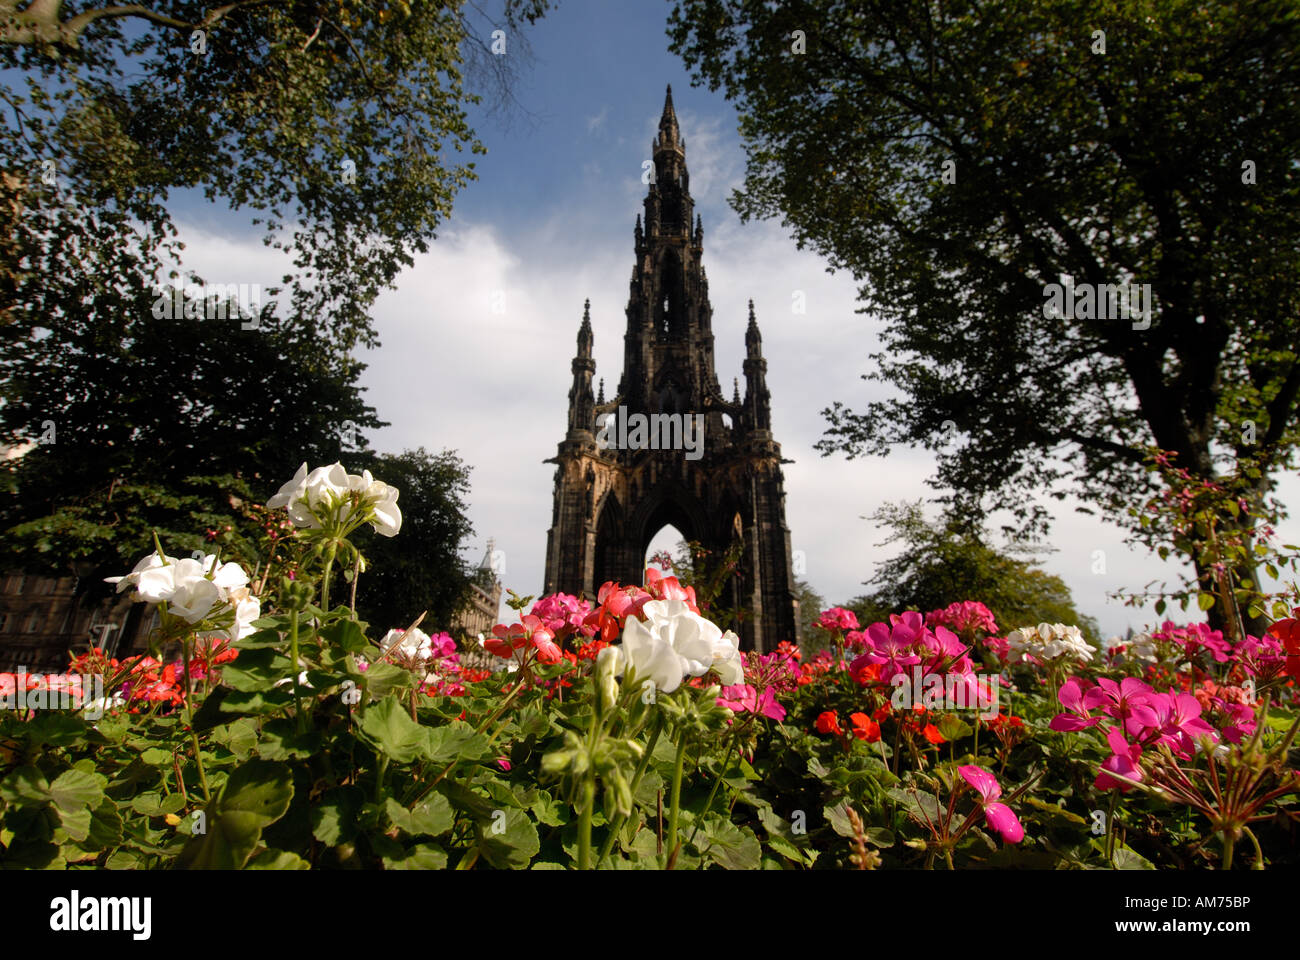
column 600, row 394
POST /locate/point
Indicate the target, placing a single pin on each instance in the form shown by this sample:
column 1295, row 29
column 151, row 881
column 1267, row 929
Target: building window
column 4, row 622
column 48, row 584
column 33, row 621
column 17, row 582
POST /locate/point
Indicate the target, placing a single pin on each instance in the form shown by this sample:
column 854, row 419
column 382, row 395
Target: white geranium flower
column 727, row 662
column 192, row 594
column 672, row 643
column 326, row 485
column 1050, row 641
column 196, row 590
column 414, row 643
column 290, row 497
column 310, row 492
column 151, row 562
column 382, row 498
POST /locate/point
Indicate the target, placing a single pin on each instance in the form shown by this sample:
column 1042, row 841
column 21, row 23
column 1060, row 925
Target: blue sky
column 549, row 224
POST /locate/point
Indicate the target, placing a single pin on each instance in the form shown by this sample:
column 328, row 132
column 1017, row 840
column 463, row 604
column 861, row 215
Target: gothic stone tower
column 610, row 501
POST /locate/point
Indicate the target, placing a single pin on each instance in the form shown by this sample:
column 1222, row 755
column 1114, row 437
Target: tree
column 154, row 423
column 960, row 159
column 338, row 123
column 811, row 605
column 421, row 569
column 946, row 561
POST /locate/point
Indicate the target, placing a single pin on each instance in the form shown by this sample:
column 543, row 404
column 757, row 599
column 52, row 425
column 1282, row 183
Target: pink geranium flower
column 837, row 618
column 892, row 646
column 1123, row 761
column 1080, row 701
column 742, row 698
column 1000, row 818
column 1180, row 723
column 1129, row 702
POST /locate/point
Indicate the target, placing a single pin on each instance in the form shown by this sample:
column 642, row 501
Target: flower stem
column 189, row 720
column 584, row 820
column 675, row 801
column 708, row 804
column 636, row 782
column 379, row 776
column 325, row 579
column 293, row 655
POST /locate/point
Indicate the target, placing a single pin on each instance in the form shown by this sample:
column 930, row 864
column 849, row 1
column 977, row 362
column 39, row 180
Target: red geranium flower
column 829, row 722
column 864, row 728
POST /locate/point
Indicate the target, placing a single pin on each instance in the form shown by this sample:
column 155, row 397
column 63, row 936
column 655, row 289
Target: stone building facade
column 43, row 619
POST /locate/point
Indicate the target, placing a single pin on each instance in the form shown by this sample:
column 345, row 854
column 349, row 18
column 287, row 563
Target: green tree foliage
column 811, row 605
column 338, row 124
column 155, row 423
column 942, row 562
column 958, row 158
column 421, row 569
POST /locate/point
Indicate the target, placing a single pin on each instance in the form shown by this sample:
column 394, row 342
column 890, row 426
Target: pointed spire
column 584, row 332
column 735, row 390
column 670, row 137
column 753, row 339
column 600, row 396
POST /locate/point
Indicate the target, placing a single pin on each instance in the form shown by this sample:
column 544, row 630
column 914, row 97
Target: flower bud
column 556, row 761
column 608, row 662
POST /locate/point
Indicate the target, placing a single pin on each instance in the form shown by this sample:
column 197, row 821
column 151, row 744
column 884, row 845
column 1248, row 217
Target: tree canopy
column 961, row 158
column 421, row 569
column 943, row 561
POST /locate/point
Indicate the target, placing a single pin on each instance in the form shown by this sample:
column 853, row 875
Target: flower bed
column 632, row 733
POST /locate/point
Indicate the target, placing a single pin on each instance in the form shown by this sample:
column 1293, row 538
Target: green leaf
column 432, row 816
column 333, row 818
column 25, row 785
column 347, row 636
column 954, row 727
column 422, row 856
column 388, row 727
column 280, row 740
column 456, row 740
column 157, row 757
column 278, row 860
column 256, row 794
column 1205, row 601
column 508, row 839
column 77, row 789
column 256, row 670
column 381, row 679
column 1126, row 858
column 105, row 827
column 258, row 702
column 732, row 847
